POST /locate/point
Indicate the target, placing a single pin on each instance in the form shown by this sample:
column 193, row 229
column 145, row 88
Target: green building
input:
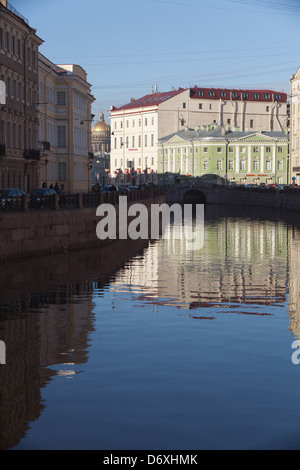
column 220, row 154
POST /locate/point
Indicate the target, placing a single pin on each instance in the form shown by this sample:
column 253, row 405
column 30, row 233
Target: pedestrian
column 51, row 186
column 56, row 187
column 62, row 196
column 44, row 185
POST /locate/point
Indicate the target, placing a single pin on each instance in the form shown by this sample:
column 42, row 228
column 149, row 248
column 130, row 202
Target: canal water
column 151, row 345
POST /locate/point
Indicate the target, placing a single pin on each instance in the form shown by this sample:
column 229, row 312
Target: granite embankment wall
column 223, row 196
column 40, row 232
column 248, row 198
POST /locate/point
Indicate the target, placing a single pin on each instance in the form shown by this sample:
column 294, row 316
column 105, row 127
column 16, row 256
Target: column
column 249, row 159
column 262, row 158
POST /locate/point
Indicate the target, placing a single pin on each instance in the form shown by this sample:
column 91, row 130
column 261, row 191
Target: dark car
column 11, row 198
column 43, row 197
column 123, row 189
column 109, row 188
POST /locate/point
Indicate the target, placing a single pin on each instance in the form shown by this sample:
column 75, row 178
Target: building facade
column 295, row 126
column 242, row 157
column 137, row 126
column 19, row 150
column 65, row 126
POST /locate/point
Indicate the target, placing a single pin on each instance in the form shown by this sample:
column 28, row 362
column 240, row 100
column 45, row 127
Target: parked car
column 11, row 198
column 41, row 197
column 133, row 188
column 123, row 189
column 109, row 188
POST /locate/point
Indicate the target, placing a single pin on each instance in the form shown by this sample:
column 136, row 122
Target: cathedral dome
column 101, row 125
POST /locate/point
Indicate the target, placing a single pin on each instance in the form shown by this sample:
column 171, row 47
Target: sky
column 127, row 48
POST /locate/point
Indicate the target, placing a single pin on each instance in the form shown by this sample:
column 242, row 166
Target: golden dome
column 101, row 125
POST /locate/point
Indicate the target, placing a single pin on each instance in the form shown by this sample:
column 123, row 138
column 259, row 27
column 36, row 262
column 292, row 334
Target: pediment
column 257, row 137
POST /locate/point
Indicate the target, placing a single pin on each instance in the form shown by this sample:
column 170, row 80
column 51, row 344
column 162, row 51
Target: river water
column 149, row 345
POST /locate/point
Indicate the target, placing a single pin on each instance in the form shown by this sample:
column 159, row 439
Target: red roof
column 246, row 95
column 154, row 99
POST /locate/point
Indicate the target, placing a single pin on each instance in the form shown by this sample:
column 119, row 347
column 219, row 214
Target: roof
column 153, row 99
column 235, row 94
column 216, row 134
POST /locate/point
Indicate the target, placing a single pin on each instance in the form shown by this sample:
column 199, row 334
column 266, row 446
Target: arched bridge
column 196, row 192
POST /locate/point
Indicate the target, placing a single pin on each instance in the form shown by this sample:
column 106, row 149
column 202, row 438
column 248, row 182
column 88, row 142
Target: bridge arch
column 193, row 196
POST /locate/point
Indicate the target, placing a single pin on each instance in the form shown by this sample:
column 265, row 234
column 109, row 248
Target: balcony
column 31, row 154
column 44, row 145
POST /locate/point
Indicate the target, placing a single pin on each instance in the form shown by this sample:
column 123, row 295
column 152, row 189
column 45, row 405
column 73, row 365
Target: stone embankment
column 52, row 230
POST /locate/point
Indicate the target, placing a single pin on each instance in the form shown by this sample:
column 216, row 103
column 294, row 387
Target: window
column 255, row 149
column 277, row 97
column 233, row 95
column 145, row 141
column 7, row 42
column 133, row 141
column 127, row 123
column 205, row 150
column 268, row 149
column 267, row 108
column 256, row 96
column 266, row 96
column 244, row 95
column 230, row 149
column 200, row 105
column 152, row 121
column 243, row 149
column 61, row 136
column 205, row 165
column 211, row 93
column 61, row 170
column 140, row 140
column 228, row 121
column 199, row 92
column 223, row 94
column 231, row 165
column 184, row 105
column 116, row 145
column 268, row 165
column 146, row 121
column 243, row 165
column 152, row 140
column 219, row 149
column 61, row 98
column 279, row 149
column 1, row 37
column 280, row 164
column 133, row 123
column 255, row 165
column 219, row 164
column 251, row 123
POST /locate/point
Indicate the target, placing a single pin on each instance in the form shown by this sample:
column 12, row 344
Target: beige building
column 65, row 125
column 137, row 126
column 19, row 152
column 295, row 126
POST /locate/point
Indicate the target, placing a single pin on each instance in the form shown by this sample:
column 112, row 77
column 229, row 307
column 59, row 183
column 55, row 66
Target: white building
column 137, row 126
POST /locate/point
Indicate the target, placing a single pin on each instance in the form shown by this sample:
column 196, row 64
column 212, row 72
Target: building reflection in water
column 243, row 261
column 47, row 304
column 46, row 316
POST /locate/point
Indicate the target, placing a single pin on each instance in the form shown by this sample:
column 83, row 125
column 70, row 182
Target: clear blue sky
column 127, row 46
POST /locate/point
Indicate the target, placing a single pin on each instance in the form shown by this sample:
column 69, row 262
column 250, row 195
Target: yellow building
column 64, row 125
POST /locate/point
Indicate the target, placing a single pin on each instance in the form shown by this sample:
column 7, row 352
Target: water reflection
column 49, row 307
column 243, row 261
column 46, row 316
